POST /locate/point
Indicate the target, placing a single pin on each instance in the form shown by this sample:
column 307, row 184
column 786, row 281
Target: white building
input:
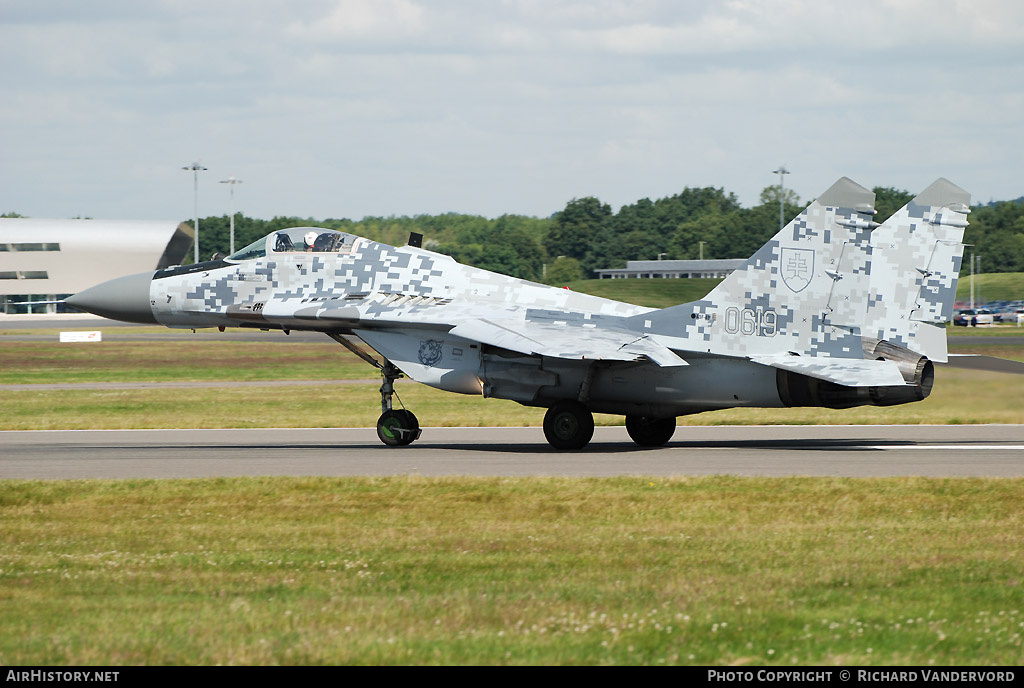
column 46, row 260
column 673, row 268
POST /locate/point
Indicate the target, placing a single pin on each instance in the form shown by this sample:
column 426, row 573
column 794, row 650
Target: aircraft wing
column 567, row 342
column 851, row 372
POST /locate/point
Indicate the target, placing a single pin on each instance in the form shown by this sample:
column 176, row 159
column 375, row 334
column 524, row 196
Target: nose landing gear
column 395, row 427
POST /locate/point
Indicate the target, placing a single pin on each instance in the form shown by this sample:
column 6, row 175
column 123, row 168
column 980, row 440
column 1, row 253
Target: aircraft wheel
column 397, row 428
column 568, row 425
column 650, row 432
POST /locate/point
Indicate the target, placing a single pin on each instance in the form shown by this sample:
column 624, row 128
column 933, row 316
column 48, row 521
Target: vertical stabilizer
column 802, row 293
column 915, row 264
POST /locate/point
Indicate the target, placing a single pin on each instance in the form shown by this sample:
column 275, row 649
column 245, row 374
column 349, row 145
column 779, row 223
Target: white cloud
column 395, row 106
column 365, row 21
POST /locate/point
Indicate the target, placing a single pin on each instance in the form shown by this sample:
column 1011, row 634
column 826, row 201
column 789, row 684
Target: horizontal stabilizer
column 987, row 363
column 571, row 343
column 850, row 372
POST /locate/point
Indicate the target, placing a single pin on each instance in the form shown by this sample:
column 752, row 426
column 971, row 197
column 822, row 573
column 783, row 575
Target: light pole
column 977, row 268
column 972, row 281
column 781, row 171
column 700, row 247
column 232, row 181
column 196, row 169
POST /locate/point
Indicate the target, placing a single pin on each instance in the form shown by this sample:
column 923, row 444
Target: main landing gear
column 650, row 432
column 395, row 427
column 570, row 425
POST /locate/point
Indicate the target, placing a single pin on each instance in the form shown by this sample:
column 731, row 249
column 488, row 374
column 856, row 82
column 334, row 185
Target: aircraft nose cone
column 122, row 298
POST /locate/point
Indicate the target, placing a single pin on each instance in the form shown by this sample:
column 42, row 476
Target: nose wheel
column 395, row 427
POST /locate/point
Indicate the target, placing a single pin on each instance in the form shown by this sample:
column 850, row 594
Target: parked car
column 973, row 317
column 1008, row 313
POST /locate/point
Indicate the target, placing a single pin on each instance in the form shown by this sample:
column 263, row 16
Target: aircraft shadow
column 803, row 445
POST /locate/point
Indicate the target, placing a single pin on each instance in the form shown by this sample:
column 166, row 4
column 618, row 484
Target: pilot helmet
column 310, row 239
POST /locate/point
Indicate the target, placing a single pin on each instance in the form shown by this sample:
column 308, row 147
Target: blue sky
column 348, row 108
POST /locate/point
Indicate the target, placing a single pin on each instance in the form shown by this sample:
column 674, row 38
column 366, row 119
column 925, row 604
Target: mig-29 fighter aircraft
column 834, row 311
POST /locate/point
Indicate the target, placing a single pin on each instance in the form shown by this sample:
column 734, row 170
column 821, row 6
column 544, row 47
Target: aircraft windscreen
column 311, row 239
column 298, row 240
column 257, row 249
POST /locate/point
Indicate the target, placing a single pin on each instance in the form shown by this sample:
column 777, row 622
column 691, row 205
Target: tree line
column 587, row 235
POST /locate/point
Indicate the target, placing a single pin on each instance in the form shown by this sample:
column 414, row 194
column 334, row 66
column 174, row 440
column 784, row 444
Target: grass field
column 201, row 359
column 653, row 293
column 661, row 292
column 412, row 570
column 996, row 286
column 959, row 396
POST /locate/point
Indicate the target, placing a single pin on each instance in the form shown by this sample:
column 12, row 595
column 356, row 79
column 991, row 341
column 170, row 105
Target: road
column 853, row 451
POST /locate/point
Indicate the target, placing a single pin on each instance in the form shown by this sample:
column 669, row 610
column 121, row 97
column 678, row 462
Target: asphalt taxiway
column 851, row 451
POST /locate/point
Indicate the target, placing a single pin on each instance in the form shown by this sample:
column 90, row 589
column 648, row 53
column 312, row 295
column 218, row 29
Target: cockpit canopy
column 298, row 240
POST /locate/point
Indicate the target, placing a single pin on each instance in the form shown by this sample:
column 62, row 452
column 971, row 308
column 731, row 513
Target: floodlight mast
column 782, row 193
column 231, row 181
column 196, row 169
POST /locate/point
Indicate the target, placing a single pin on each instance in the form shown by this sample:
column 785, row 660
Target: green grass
column 959, row 397
column 654, row 293
column 200, row 359
column 345, row 406
column 85, row 326
column 664, row 292
column 999, row 330
column 716, row 570
column 995, row 286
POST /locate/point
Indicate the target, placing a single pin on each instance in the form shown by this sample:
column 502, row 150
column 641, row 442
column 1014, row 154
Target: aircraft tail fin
column 915, row 264
column 802, row 293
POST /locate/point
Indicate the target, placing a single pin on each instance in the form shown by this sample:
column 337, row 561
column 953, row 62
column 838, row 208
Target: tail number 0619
column 751, row 322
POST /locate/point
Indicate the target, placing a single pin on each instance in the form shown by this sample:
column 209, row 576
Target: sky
column 354, row 108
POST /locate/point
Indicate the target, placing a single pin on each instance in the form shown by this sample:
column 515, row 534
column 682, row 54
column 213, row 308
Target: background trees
column 587, row 234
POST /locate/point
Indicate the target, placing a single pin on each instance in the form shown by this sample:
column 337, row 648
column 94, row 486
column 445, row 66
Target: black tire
column 568, row 425
column 650, row 432
column 397, row 428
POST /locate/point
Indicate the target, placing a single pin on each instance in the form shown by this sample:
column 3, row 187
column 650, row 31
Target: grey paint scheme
column 800, row 323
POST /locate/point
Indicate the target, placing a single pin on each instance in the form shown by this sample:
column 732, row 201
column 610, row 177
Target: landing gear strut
column 568, row 425
column 395, row 427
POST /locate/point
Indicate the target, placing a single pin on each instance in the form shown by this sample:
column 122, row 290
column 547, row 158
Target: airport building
column 48, row 260
column 673, row 268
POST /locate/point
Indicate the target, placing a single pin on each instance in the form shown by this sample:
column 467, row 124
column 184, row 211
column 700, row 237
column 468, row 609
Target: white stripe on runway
column 959, row 447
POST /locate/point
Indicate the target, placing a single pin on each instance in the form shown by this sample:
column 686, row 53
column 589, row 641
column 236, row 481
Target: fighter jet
column 834, row 311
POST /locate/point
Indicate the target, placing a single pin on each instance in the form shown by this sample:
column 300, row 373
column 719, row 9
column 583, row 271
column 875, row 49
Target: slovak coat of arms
column 797, row 267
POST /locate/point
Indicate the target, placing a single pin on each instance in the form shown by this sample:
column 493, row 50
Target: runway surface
column 854, row 451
